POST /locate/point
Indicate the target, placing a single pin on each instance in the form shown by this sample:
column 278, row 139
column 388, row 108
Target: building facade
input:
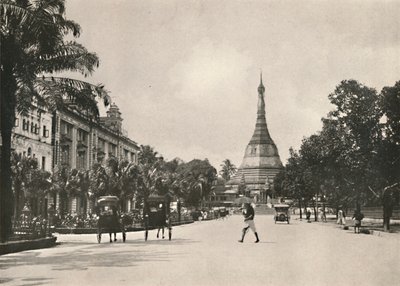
column 79, row 142
column 71, row 138
column 32, row 137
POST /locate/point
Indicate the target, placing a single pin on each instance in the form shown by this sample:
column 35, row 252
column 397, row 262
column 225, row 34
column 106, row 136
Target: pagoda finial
column 261, row 87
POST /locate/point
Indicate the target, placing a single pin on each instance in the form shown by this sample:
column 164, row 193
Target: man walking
column 248, row 213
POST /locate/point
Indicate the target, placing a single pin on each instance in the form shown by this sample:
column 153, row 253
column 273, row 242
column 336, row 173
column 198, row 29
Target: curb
column 22, row 245
column 94, row 230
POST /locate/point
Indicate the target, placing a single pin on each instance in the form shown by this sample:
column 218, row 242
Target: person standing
column 341, row 217
column 248, row 213
column 357, row 217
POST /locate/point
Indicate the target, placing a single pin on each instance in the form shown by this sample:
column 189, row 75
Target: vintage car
column 282, row 213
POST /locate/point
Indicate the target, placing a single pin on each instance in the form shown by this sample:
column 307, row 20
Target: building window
column 43, row 162
column 82, row 137
column 32, row 127
column 65, row 159
column 29, row 151
column 45, row 131
column 25, row 125
column 81, row 160
column 112, row 150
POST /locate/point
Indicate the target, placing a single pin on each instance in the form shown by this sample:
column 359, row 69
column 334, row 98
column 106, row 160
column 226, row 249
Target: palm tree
column 228, row 169
column 22, row 168
column 32, row 48
column 121, row 177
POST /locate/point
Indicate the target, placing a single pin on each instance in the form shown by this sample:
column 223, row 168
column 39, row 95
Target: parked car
column 282, row 213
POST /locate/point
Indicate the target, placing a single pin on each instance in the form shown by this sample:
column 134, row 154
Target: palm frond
column 11, row 13
column 69, row 56
column 58, row 92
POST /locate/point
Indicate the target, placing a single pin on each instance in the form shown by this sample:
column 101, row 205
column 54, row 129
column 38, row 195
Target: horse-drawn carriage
column 156, row 215
column 109, row 218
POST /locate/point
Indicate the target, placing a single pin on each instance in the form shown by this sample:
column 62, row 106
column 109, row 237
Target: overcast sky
column 185, row 73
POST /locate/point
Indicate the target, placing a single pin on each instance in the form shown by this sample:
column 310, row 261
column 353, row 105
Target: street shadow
column 36, row 281
column 110, row 255
column 176, row 241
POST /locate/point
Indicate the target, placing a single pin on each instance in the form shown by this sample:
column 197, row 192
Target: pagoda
column 261, row 161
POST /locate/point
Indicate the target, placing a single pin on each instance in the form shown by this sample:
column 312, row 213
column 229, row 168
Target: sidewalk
column 22, row 245
column 374, row 226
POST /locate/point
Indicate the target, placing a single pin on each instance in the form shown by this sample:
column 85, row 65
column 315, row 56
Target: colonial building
column 32, row 137
column 261, row 161
column 71, row 138
column 79, row 142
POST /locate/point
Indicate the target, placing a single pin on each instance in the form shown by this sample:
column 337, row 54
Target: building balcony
column 65, row 137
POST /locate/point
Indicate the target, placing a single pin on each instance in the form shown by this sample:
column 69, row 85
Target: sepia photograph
column 200, row 142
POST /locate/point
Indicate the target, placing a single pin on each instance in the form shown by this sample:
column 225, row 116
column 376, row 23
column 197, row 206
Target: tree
column 21, row 173
column 77, row 185
column 30, row 184
column 147, row 155
column 121, row 179
column 197, row 177
column 390, row 148
column 358, row 113
column 59, row 180
column 228, row 169
column 32, row 48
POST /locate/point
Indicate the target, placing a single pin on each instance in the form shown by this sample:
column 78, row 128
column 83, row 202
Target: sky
column 185, row 73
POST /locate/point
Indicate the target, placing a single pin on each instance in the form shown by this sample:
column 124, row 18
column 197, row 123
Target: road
column 208, row 253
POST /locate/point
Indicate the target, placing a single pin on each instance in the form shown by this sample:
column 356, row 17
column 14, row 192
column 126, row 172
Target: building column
column 106, row 156
column 74, row 148
column 92, row 148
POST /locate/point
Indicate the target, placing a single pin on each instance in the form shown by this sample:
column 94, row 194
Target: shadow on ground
column 130, row 254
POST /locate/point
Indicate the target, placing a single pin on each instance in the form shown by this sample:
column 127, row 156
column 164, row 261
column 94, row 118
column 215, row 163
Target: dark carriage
column 156, row 215
column 109, row 218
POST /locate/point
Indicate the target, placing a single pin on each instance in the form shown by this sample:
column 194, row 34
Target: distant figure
column 248, row 213
column 357, row 217
column 308, row 215
column 161, row 220
column 323, row 215
column 115, row 222
column 341, row 217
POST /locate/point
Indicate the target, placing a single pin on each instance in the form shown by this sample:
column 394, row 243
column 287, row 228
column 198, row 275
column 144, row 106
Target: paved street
column 207, row 253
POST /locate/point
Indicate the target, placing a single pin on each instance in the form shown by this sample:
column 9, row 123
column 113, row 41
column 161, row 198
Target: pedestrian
column 308, row 215
column 248, row 213
column 341, row 217
column 323, row 215
column 357, row 217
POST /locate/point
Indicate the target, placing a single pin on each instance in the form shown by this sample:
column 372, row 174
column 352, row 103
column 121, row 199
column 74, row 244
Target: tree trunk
column 301, row 213
column 387, row 213
column 7, row 107
column 315, row 212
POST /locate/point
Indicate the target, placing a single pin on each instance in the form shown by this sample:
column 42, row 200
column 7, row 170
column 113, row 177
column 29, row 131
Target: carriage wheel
column 99, row 237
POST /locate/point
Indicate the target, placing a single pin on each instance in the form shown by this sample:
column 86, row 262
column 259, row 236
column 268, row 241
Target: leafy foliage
column 32, row 48
column 354, row 153
column 228, row 169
